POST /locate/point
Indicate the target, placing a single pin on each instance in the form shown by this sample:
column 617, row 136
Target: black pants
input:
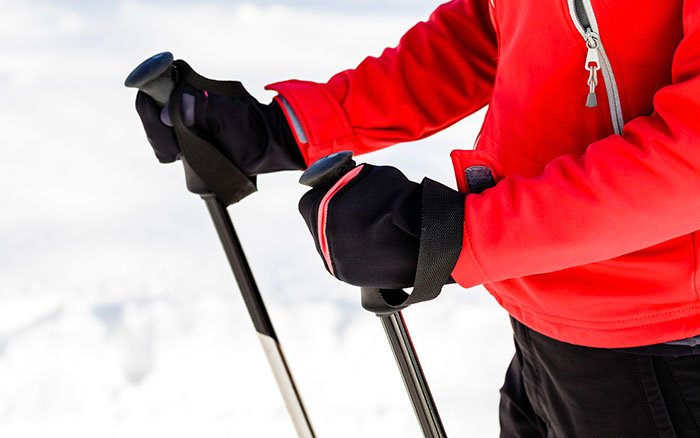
column 554, row 389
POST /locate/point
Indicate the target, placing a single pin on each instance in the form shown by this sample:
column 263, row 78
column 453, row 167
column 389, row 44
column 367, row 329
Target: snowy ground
column 118, row 315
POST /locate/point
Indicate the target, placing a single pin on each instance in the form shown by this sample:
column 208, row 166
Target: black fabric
column 254, row 136
column 516, row 415
column 442, row 231
column 442, row 221
column 386, row 232
column 161, row 137
column 554, row 389
column 440, row 243
column 373, row 227
column 206, row 167
column 666, row 350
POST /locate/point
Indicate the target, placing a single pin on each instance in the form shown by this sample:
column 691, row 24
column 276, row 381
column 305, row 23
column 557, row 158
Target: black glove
column 255, row 137
column 367, row 225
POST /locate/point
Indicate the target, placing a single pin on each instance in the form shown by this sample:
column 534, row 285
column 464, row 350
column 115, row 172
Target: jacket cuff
column 320, row 125
column 475, row 171
column 468, row 271
column 468, row 159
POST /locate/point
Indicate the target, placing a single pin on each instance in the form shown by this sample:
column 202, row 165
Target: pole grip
column 328, row 169
column 154, row 77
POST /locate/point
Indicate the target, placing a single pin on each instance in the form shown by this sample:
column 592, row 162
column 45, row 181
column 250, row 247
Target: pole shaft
column 413, row 377
column 239, row 265
column 258, row 313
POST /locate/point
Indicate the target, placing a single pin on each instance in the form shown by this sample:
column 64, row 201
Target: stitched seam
column 643, row 390
column 694, row 309
column 695, row 265
column 537, row 397
column 685, row 402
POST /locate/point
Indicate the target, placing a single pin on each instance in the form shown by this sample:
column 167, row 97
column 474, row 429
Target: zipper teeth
column 613, row 92
column 575, row 18
column 588, row 6
column 608, row 75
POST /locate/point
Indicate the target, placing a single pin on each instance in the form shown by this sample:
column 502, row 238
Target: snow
column 118, row 313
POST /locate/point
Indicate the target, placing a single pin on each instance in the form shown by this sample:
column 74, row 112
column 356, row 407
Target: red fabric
column 408, row 93
column 589, row 237
column 323, row 215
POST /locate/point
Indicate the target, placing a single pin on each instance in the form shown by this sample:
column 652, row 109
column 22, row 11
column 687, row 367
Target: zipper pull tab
column 593, row 66
column 592, row 100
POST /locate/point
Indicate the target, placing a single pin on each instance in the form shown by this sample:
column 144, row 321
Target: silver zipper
column 593, row 67
column 597, row 61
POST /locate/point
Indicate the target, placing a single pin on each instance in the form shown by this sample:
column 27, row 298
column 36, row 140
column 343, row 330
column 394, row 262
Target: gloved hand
column 368, row 226
column 255, row 137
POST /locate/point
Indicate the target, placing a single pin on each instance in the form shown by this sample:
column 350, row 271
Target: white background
column 118, row 313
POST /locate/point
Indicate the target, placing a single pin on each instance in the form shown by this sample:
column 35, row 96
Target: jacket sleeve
column 625, row 193
column 441, row 71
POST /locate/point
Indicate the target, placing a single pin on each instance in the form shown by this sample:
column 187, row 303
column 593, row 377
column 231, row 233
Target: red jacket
column 590, row 236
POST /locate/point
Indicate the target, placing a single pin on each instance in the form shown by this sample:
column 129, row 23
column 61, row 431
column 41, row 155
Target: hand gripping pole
column 330, row 169
column 155, row 77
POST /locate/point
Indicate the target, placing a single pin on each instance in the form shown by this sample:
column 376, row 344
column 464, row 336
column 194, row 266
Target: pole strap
column 217, row 173
column 442, row 233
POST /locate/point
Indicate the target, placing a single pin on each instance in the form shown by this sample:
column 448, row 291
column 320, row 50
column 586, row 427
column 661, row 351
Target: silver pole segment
column 290, row 393
column 154, row 77
column 258, row 314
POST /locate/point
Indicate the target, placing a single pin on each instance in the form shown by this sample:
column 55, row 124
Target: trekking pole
column 326, row 171
column 153, row 77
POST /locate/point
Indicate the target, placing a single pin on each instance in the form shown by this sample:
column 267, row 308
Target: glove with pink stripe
column 367, row 226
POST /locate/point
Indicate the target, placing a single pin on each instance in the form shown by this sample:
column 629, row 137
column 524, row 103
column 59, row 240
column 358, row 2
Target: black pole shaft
column 258, row 314
column 239, row 266
column 413, row 376
column 330, row 169
column 154, row 77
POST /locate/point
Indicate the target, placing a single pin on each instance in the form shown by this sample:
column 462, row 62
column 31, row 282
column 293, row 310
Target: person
column 588, row 236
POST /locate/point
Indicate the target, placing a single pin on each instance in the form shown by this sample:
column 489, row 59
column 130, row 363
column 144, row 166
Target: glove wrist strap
column 442, row 229
column 216, row 173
